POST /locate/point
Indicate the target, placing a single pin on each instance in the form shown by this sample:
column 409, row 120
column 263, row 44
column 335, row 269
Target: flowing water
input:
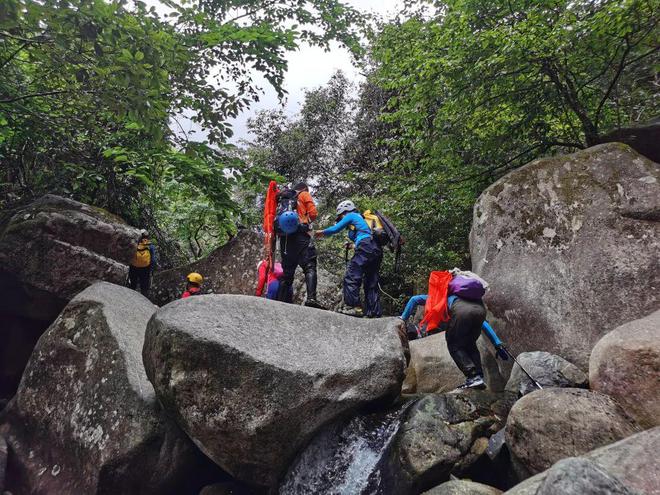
column 347, row 458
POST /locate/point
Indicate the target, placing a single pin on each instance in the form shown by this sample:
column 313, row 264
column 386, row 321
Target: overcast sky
column 310, row 67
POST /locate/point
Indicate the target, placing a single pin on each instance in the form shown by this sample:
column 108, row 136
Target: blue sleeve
column 490, row 333
column 413, row 302
column 339, row 226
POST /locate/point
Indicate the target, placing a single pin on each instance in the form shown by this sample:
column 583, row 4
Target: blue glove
column 501, row 353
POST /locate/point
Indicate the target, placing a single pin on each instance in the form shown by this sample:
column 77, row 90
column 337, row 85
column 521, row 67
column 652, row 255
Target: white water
column 345, row 458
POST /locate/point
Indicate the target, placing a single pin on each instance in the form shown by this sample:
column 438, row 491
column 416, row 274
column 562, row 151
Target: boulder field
column 251, row 380
column 569, row 245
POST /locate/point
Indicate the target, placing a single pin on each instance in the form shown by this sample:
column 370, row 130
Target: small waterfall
column 346, row 458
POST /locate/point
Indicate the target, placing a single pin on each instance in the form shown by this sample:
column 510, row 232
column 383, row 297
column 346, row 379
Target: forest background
column 456, row 94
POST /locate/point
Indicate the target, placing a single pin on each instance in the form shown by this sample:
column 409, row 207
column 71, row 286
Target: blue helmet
column 288, row 222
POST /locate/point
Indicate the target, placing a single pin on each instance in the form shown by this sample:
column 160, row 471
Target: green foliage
column 478, row 87
column 89, row 91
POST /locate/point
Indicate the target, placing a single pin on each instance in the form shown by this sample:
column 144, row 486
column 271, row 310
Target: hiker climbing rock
column 142, row 265
column 363, row 267
column 295, row 213
column 454, row 306
column 194, row 283
column 270, row 280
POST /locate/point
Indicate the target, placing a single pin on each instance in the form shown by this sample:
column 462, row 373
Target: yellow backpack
column 142, row 256
column 376, row 226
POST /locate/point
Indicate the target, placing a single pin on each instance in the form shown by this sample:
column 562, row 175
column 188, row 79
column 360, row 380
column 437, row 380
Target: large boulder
column 548, row 370
column 251, row 380
column 53, row 249
column 85, row 418
column 551, row 424
column 433, row 367
column 576, row 476
column 232, row 269
column 625, row 364
column 537, row 231
column 49, row 251
column 633, row 461
column 446, row 434
column 462, row 487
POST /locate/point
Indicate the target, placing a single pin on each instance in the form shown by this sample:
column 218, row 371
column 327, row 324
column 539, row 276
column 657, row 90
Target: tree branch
column 34, row 95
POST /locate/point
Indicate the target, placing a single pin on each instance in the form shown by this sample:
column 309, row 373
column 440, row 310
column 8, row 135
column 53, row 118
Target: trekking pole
column 521, row 367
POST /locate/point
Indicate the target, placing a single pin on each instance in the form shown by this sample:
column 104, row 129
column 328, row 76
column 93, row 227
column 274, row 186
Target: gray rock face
column 547, row 369
column 446, row 434
column 433, row 367
column 232, row 269
column 53, row 249
column 551, row 424
column 633, row 461
column 463, row 487
column 625, row 364
column 576, row 476
column 536, row 235
column 85, row 418
column 251, row 380
column 50, row 251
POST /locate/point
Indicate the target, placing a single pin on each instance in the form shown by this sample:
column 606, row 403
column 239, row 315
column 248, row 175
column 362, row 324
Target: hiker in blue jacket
column 462, row 346
column 363, row 267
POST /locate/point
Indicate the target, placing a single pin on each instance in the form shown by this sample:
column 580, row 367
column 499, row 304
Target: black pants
column 463, row 330
column 362, row 270
column 141, row 276
column 295, row 250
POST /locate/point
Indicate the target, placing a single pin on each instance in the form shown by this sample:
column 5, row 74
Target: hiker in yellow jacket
column 142, row 266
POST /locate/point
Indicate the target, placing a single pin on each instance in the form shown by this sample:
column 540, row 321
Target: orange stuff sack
column 436, row 311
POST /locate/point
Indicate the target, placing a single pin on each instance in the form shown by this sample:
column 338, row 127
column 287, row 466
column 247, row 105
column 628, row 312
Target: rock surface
column 232, row 269
column 551, row 424
column 462, row 487
column 251, row 380
column 434, row 369
column 446, row 434
column 49, row 251
column 633, row 461
column 85, row 418
column 625, row 364
column 644, row 139
column 53, row 249
column 576, row 476
column 547, row 369
column 537, row 231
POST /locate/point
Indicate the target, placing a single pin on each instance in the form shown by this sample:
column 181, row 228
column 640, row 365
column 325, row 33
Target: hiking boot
column 474, row 382
column 352, row 311
column 313, row 303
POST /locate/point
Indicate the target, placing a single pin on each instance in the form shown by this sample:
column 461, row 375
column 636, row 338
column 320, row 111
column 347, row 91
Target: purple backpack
column 467, row 288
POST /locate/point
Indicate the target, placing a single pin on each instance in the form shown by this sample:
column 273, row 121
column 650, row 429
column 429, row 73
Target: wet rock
column 251, row 380
column 536, row 233
column 232, row 269
column 85, row 418
column 575, row 476
column 633, row 461
column 551, row 424
column 625, row 364
column 49, row 251
column 462, row 487
column 547, row 369
column 447, row 434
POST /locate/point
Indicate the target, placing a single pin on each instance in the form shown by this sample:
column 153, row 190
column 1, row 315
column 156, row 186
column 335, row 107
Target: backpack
column 385, row 234
column 287, row 200
column 142, row 257
column 467, row 288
